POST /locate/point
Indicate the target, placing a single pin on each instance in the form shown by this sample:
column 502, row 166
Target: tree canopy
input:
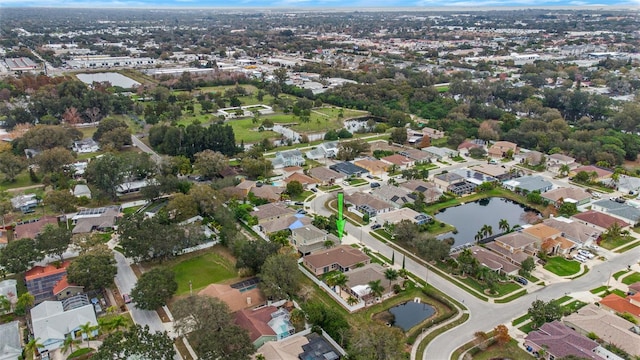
column 154, row 288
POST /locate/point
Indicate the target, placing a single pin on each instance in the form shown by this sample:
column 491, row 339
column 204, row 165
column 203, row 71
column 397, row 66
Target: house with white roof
column 10, row 344
column 288, row 158
column 327, row 150
column 52, row 324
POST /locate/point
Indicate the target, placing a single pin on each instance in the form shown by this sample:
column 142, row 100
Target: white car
column 586, row 254
column 580, row 258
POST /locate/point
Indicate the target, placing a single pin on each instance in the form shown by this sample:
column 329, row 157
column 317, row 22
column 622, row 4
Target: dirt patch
column 385, row 317
column 384, row 145
column 163, row 315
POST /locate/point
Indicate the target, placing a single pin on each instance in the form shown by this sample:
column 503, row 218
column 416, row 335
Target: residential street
column 142, row 146
column 125, row 281
column 483, row 316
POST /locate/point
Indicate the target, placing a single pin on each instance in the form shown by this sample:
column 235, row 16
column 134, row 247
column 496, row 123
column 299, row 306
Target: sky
column 315, row 4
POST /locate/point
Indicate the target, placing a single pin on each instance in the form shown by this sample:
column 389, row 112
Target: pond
column 410, row 314
column 470, row 217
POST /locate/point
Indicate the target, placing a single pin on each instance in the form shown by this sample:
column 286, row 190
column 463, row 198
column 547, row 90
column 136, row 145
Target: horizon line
column 444, row 7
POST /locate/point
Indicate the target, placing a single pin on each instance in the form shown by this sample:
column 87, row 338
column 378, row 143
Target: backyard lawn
column 511, row 350
column 617, row 242
column 561, row 266
column 631, row 279
column 202, row 270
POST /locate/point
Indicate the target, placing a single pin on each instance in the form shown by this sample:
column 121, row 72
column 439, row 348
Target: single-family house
column 302, row 179
column 550, row 240
column 531, row 157
column 608, row 326
column 418, row 156
column 267, row 192
column 30, row 229
column 327, row 150
column 491, row 260
column 428, row 189
column 600, row 173
column 559, row 340
column 473, row 176
column 617, row 303
column 574, row 230
column 396, row 195
column 264, row 324
column 367, row 204
column 515, row 247
column 528, row 184
column 288, row 158
column 626, row 184
column 303, row 345
column 343, row 258
column 557, row 160
column 41, row 280
column 85, row 146
column 622, row 211
column 349, row 169
column 567, row 195
column 81, row 190
column 500, row 149
column 326, row 176
column 307, row 239
column 496, row 171
column 10, row 344
column 372, row 165
column 454, row 183
column 101, row 219
column 52, row 324
column 440, row 153
column 25, row 203
column 359, row 279
column 134, row 186
column 598, row 220
column 269, row 212
column 467, row 145
column 399, row 161
column 396, row 216
column 414, row 137
column 64, row 290
column 236, row 297
column 287, row 222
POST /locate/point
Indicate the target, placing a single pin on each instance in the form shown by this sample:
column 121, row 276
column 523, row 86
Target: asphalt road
column 483, row 316
column 142, row 146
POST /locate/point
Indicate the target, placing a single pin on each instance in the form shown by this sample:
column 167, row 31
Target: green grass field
column 511, row 350
column 631, row 279
column 202, row 270
column 617, row 242
column 561, row 266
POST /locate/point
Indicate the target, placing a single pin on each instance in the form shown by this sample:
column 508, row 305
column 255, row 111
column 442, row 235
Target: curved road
column 483, row 316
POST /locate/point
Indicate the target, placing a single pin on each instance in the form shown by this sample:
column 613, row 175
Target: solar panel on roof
column 394, row 198
column 421, row 188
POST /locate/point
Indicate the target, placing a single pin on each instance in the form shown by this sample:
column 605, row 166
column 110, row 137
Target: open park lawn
column 561, row 266
column 202, row 270
column 508, row 351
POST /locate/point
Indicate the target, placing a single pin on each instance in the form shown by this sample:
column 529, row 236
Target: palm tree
column 352, row 301
column 487, row 230
column 504, row 225
column 297, row 316
column 67, row 345
column 338, row 280
column 32, row 346
column 391, row 275
column 88, row 330
column 478, row 236
column 376, row 288
column 564, row 170
column 403, row 273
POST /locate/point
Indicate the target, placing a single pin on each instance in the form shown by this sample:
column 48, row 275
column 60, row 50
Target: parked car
column 126, row 298
column 375, row 185
column 314, row 190
column 302, row 211
column 522, row 280
column 580, row 258
column 369, row 176
column 300, row 203
column 376, row 226
column 586, row 254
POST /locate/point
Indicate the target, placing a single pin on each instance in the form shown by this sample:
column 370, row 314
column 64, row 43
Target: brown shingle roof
column 566, row 193
column 599, row 219
column 324, row 174
column 30, row 230
column 301, row 178
column 256, row 321
column 271, row 210
column 542, row 231
column 620, row 304
column 343, row 255
column 397, row 159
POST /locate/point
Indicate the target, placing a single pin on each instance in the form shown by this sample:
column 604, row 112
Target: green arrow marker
column 340, row 222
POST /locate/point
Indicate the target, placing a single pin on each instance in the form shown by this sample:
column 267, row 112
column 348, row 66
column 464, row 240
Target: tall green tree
column 154, row 288
column 542, row 312
column 207, row 323
column 209, row 163
column 53, row 240
column 11, row 166
column 19, row 255
column 93, row 270
column 375, row 288
column 106, row 173
column 375, row 341
column 280, row 277
column 136, row 341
